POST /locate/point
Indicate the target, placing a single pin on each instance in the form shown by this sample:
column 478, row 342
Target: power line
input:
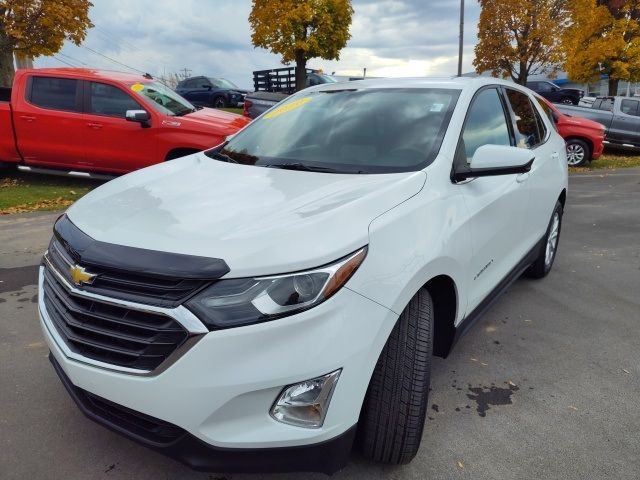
column 112, row 60
column 73, row 59
column 66, row 63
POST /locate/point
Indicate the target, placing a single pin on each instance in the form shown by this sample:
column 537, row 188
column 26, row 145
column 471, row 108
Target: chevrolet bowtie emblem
column 80, row 276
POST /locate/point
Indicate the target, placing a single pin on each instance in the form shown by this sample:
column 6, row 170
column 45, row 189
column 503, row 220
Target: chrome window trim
column 180, row 314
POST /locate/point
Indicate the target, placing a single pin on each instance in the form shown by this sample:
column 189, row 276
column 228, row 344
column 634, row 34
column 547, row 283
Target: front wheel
column 568, row 101
column 219, row 102
column 395, row 407
column 578, row 152
column 542, row 266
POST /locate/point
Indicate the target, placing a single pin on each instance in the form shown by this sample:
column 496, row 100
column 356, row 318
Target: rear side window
column 54, row 93
column 110, row 101
column 547, row 111
column 528, row 123
column 630, row 107
column 604, row 104
column 486, row 123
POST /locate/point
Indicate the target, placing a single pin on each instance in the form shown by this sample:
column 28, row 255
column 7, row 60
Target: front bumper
column 220, row 391
column 327, row 457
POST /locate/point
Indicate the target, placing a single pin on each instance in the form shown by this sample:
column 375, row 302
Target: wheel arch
column 180, row 152
column 444, row 295
column 583, row 139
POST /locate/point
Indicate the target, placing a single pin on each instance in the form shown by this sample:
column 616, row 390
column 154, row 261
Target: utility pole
column 460, row 47
column 186, row 72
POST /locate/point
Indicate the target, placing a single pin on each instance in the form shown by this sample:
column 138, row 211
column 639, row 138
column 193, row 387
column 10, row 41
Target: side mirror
column 139, row 116
column 494, row 160
column 208, row 87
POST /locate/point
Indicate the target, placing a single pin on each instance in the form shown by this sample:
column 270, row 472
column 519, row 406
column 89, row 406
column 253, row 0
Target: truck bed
column 601, row 116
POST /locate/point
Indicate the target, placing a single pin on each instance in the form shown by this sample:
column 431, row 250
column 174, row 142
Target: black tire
column 578, row 152
column 569, row 101
column 542, row 266
column 219, row 102
column 395, row 406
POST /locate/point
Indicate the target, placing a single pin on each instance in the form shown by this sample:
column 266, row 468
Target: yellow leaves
column 603, row 40
column 516, row 36
column 317, row 28
column 37, row 27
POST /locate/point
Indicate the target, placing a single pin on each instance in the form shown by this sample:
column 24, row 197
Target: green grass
column 611, row 160
column 239, row 111
column 26, row 192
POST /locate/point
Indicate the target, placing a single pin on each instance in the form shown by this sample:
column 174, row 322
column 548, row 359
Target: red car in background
column 584, row 137
column 83, row 120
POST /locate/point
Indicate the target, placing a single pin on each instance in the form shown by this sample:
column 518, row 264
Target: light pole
column 461, row 38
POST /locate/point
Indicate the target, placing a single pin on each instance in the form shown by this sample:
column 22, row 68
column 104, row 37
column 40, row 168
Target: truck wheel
column 395, row 406
column 578, row 152
column 219, row 102
column 542, row 266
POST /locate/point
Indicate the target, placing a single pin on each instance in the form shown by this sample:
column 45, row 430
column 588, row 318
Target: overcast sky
column 389, row 37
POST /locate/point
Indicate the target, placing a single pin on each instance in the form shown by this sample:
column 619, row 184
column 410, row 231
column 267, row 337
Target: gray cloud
column 389, row 37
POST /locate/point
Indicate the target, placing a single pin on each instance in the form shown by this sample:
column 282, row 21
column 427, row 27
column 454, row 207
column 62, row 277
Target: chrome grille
column 109, row 333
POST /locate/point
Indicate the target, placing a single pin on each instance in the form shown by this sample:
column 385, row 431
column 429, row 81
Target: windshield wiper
column 221, row 156
column 302, row 167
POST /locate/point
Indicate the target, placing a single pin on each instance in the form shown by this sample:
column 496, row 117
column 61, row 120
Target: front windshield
column 222, row 83
column 327, row 78
column 163, row 99
column 347, row 131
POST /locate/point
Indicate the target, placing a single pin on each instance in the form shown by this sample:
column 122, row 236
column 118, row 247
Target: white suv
column 250, row 307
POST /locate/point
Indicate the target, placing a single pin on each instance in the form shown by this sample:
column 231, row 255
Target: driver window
column 486, row 123
column 110, row 101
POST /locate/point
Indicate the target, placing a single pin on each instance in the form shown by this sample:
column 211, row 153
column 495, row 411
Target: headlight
column 244, row 301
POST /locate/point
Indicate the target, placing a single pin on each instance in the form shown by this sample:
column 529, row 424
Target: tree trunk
column 6, row 61
column 613, row 86
column 301, row 70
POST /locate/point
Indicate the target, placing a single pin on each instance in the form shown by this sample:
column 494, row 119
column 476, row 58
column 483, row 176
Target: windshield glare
column 222, row 83
column 163, row 99
column 348, row 131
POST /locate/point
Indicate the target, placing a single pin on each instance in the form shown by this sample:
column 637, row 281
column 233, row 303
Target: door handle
column 95, row 126
column 27, row 118
column 523, row 177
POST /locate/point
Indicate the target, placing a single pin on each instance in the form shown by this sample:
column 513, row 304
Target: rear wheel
column 568, row 101
column 395, row 407
column 578, row 152
column 542, row 266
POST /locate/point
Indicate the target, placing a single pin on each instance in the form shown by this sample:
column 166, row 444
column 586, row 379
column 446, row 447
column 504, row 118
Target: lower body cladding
column 211, row 409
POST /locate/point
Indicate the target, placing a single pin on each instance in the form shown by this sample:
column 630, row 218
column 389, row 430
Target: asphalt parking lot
column 547, row 386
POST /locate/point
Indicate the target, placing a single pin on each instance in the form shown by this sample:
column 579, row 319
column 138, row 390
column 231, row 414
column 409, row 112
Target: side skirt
column 490, row 299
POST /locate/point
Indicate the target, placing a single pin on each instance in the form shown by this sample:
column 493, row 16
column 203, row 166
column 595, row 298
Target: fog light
column 305, row 404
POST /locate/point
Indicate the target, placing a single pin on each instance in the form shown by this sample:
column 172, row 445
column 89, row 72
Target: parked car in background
column 85, row 120
column 211, row 92
column 273, row 86
column 619, row 115
column 555, row 94
column 253, row 306
column 584, row 137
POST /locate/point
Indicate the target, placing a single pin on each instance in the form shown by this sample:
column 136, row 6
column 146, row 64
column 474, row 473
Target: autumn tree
column 519, row 38
column 299, row 30
column 604, row 38
column 39, row 27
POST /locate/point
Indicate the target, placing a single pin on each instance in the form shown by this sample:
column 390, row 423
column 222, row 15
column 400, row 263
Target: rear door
column 497, row 206
column 113, row 144
column 49, row 122
column 625, row 126
column 534, row 134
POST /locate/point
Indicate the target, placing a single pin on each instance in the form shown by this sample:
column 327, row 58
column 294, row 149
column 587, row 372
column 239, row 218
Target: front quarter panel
column 423, row 237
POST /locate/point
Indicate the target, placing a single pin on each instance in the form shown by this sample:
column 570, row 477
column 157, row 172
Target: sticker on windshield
column 137, row 87
column 436, row 107
column 288, row 107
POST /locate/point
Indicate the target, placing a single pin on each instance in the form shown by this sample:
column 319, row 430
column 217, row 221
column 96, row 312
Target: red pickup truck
column 68, row 119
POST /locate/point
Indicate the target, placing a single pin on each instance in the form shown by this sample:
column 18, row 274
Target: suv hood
column 260, row 221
